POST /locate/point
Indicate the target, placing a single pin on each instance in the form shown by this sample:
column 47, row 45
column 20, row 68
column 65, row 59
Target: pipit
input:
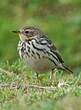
column 38, row 52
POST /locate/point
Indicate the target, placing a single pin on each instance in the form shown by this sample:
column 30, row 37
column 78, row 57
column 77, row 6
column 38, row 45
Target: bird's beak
column 16, row 31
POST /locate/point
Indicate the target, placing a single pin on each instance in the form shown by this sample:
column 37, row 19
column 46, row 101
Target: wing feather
column 45, row 41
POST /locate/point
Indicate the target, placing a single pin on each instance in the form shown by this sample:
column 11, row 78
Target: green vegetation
column 61, row 21
column 16, row 94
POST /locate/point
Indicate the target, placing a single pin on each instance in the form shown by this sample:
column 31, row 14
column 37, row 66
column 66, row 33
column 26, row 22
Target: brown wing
column 55, row 51
column 46, row 41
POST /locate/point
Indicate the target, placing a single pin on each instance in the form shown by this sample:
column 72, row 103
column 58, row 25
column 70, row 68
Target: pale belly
column 39, row 65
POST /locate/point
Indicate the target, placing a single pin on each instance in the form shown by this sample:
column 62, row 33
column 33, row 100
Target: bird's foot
column 37, row 79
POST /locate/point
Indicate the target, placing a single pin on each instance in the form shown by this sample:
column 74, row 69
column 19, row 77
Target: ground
column 20, row 90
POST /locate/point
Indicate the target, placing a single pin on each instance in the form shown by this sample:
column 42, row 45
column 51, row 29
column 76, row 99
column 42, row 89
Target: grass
column 20, row 90
column 60, row 20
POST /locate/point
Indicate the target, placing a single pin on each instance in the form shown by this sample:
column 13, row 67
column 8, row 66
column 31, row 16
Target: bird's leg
column 37, row 78
column 37, row 75
column 51, row 75
column 53, row 79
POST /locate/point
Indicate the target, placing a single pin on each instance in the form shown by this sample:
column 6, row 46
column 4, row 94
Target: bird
column 38, row 52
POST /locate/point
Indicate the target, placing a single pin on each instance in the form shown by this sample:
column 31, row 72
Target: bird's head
column 28, row 33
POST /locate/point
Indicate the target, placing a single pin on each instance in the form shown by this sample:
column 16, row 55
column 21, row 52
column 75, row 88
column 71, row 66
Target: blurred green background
column 59, row 19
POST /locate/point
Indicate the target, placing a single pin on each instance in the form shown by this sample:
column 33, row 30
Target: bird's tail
column 67, row 69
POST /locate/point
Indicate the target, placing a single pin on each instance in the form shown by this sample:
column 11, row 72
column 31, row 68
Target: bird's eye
column 26, row 32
